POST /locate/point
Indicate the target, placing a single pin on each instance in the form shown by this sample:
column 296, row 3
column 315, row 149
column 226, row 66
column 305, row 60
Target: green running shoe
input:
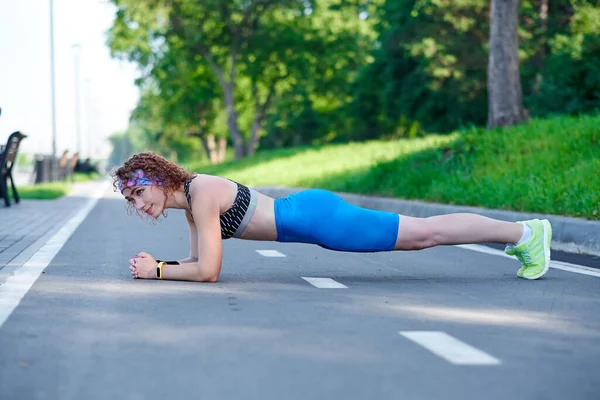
column 535, row 253
column 510, row 250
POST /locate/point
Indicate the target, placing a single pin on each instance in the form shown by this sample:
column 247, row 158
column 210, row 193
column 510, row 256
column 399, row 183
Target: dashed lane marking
column 324, row 283
column 449, row 348
column 270, row 253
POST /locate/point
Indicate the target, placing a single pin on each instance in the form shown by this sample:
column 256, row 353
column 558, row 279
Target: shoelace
column 524, row 257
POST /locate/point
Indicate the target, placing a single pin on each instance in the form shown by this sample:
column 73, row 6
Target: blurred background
column 93, row 93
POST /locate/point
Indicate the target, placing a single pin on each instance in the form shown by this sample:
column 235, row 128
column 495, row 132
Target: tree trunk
column 222, row 149
column 226, row 85
column 208, row 142
column 232, row 123
column 260, row 112
column 253, row 142
column 215, row 148
column 505, row 99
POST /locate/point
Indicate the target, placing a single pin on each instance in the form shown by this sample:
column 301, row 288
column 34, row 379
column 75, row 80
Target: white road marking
column 450, row 348
column 324, row 283
column 18, row 284
column 578, row 269
column 565, row 266
column 270, row 253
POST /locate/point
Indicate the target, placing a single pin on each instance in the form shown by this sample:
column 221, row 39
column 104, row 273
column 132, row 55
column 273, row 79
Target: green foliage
column 121, row 148
column 188, row 49
column 270, row 52
column 429, row 70
column 334, row 46
column 571, row 82
column 152, row 128
column 332, row 71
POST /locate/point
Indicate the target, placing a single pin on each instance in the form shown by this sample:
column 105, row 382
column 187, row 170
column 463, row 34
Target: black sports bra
column 232, row 218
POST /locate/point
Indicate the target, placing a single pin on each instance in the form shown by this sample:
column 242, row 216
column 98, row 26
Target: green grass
column 43, row 191
column 50, row 190
column 547, row 166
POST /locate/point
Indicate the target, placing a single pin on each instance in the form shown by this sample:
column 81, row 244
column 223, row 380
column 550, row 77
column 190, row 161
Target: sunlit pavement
column 290, row 321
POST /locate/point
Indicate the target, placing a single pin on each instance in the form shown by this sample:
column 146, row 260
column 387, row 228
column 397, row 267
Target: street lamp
column 76, row 52
column 89, row 114
column 52, row 79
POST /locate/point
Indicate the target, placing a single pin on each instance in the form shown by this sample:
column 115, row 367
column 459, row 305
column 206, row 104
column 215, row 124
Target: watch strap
column 159, row 266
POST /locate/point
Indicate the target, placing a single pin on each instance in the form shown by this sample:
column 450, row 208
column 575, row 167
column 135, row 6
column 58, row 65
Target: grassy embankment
column 548, row 166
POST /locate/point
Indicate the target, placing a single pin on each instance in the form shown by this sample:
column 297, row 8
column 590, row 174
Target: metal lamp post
column 76, row 53
column 53, row 102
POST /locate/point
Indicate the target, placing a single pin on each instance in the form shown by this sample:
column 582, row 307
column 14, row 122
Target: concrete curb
column 573, row 235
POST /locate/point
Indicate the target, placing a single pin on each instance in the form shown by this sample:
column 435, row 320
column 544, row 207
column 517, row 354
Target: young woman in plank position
column 217, row 208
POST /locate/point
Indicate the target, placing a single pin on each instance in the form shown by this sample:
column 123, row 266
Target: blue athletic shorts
column 323, row 218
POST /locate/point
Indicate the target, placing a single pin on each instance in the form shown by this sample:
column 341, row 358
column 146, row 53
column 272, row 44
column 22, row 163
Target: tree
column 187, row 94
column 337, row 43
column 429, row 69
column 223, row 35
column 505, row 99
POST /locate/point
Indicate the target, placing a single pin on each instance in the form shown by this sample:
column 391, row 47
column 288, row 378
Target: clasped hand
column 143, row 266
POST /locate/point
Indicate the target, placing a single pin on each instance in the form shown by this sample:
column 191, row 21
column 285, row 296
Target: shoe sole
column 547, row 231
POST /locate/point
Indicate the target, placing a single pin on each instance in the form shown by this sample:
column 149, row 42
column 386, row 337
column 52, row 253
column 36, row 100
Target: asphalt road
column 443, row 323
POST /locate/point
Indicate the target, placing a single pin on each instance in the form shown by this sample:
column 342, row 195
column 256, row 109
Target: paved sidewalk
column 26, row 226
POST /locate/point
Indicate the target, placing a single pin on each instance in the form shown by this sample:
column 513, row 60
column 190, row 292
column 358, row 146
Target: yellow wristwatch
column 159, row 266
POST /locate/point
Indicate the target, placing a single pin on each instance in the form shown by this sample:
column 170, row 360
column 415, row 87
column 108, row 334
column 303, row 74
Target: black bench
column 8, row 156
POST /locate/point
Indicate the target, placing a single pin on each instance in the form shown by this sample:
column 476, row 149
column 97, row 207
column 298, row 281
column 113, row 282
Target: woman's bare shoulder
column 210, row 186
column 203, row 181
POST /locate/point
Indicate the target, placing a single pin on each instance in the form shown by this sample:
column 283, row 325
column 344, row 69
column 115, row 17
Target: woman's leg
column 421, row 233
column 532, row 249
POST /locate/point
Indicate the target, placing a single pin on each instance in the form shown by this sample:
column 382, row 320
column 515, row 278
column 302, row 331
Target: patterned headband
column 138, row 178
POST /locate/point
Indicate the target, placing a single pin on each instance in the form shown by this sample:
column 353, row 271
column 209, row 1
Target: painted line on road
column 18, row 284
column 564, row 266
column 270, row 253
column 324, row 283
column 450, row 348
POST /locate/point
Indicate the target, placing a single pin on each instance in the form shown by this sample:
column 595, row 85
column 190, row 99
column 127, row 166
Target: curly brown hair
column 155, row 167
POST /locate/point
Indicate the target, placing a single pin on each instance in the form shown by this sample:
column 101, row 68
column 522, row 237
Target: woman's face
column 147, row 199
